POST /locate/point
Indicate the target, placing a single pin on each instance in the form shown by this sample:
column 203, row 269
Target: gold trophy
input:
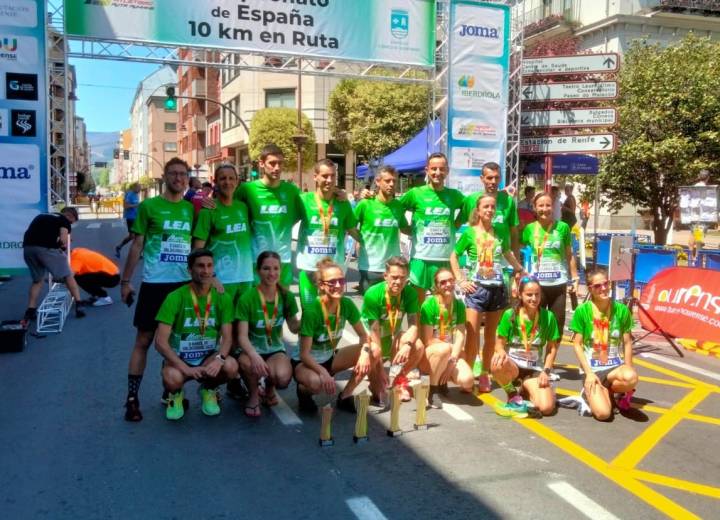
column 326, row 427
column 394, row 430
column 421, row 395
column 362, row 402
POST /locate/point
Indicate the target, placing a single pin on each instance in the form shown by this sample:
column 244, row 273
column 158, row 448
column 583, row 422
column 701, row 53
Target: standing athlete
column 163, row 235
column 325, row 221
column 433, row 230
column 380, row 221
column 130, row 206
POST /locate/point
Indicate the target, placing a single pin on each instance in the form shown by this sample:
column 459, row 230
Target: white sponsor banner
column 466, row 158
column 19, row 169
column 13, row 228
column 18, row 52
column 481, row 31
column 476, row 86
column 483, row 127
column 18, row 13
column 607, row 62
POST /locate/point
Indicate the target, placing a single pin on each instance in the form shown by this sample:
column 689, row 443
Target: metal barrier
column 54, row 309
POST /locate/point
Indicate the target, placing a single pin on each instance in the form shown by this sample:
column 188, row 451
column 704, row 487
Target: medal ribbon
column 445, row 314
column 601, row 330
column 392, row 312
column 523, row 328
column 196, row 308
column 326, row 220
column 485, row 246
column 269, row 322
column 540, row 248
column 331, row 334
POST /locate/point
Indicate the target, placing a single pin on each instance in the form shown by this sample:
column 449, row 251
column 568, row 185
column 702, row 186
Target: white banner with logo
column 479, row 82
column 386, row 31
column 23, row 125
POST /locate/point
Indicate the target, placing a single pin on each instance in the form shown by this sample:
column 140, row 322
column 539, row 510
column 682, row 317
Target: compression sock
column 134, row 385
column 509, row 389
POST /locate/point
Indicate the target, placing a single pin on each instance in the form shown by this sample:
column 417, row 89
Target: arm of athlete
column 515, row 241
column 126, row 288
column 628, row 349
column 162, row 344
column 543, row 378
column 513, row 261
column 457, row 350
column 408, row 340
column 326, row 380
column 499, row 356
column 259, row 367
column 215, row 365
column 466, row 285
column 293, row 324
column 365, row 359
column 592, row 381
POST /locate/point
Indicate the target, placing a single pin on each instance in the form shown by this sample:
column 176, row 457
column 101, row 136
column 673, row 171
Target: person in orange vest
column 94, row 273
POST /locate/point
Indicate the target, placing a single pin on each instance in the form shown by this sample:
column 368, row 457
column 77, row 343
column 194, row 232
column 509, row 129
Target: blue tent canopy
column 410, row 157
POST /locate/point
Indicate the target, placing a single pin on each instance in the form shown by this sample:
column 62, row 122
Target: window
column 229, row 119
column 280, row 98
column 171, row 127
column 170, row 147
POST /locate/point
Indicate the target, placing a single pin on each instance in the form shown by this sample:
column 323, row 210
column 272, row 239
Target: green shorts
column 236, row 290
column 422, row 272
column 286, row 275
column 307, row 287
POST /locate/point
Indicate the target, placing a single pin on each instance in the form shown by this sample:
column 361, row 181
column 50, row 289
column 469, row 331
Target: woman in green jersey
column 484, row 287
column 603, row 346
column 525, row 350
column 442, row 331
column 551, row 258
column 261, row 313
column 321, row 328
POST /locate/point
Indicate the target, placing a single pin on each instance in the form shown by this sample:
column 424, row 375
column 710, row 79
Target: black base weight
column 391, row 433
column 326, row 443
column 360, row 440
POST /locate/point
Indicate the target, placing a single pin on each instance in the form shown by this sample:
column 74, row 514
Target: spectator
column 94, row 273
column 204, row 193
column 194, row 187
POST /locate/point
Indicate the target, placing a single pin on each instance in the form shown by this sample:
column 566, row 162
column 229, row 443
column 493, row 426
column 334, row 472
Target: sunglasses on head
column 528, row 279
column 336, row 282
column 601, row 285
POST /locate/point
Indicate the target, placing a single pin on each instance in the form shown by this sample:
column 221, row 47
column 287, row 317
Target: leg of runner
column 505, row 375
column 491, row 323
column 173, row 382
column 622, row 379
column 346, row 358
column 435, row 360
column 473, row 319
column 280, row 370
column 209, row 386
column 252, row 405
column 463, row 376
column 542, row 398
column 599, row 401
column 136, row 369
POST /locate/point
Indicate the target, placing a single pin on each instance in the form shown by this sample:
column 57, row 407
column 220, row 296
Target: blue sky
column 105, row 90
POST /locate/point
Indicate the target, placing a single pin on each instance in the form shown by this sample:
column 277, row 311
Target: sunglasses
column 446, row 282
column 337, row 282
column 603, row 285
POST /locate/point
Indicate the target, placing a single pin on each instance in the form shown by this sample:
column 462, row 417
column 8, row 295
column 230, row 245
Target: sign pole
column 595, row 219
column 548, row 173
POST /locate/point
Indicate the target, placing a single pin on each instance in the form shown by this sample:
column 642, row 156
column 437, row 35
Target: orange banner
column 685, row 302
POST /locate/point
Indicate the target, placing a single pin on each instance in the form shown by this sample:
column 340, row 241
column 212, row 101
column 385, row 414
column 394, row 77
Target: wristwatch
column 547, row 371
column 366, row 348
column 221, row 358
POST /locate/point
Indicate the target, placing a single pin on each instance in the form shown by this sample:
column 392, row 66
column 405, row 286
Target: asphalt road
column 66, row 452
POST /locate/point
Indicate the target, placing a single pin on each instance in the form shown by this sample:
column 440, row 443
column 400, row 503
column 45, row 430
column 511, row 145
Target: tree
column 278, row 126
column 375, row 118
column 101, row 176
column 669, row 127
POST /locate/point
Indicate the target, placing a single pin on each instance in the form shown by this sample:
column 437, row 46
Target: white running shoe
column 101, row 302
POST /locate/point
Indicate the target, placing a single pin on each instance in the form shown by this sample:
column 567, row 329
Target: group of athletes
column 215, row 294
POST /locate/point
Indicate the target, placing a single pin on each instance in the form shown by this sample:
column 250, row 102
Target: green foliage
column 101, row 176
column 279, row 125
column 374, row 118
column 669, row 126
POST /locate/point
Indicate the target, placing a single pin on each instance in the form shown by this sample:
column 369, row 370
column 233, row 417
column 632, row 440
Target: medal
column 527, row 340
column 445, row 314
column 269, row 322
column 391, row 312
column 202, row 321
column 331, row 334
column 485, row 246
column 540, row 247
column 601, row 334
column 325, row 219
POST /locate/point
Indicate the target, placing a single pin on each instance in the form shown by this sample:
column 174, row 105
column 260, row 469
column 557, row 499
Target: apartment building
column 80, row 156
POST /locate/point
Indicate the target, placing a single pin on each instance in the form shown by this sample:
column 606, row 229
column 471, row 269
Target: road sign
column 581, row 63
column 570, row 164
column 568, row 118
column 558, row 144
column 569, row 91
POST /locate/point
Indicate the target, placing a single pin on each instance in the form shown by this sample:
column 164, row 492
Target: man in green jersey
column 225, row 231
column 163, row 235
column 384, row 306
column 274, row 207
column 380, row 221
column 325, row 221
column 194, row 335
column 433, row 231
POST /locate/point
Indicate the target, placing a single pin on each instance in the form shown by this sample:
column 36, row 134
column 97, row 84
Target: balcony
column 198, row 88
column 689, row 7
column 554, row 19
column 212, row 152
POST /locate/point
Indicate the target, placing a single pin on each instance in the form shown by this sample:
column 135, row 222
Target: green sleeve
column 226, row 309
column 408, row 200
column 513, row 217
column 552, row 333
column 299, row 206
column 412, row 304
column 350, row 311
column 350, row 220
column 468, row 206
column 203, row 224
column 463, row 243
column 428, row 312
column 309, row 322
column 526, row 238
column 244, row 304
column 142, row 221
column 579, row 319
column 241, row 192
column 370, row 308
column 402, row 218
column 504, row 327
column 627, row 323
column 459, row 313
column 289, row 305
column 567, row 239
column 169, row 308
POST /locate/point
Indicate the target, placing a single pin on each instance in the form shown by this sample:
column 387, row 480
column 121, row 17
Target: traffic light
column 254, row 170
column 171, row 100
column 126, row 155
column 116, row 153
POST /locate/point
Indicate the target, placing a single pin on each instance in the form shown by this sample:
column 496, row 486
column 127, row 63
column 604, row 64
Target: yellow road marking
column 684, row 485
column 676, row 375
column 646, row 441
column 617, row 475
column 667, row 382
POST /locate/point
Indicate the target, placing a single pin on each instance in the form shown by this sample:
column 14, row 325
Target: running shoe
column 175, row 409
column 515, row 407
column 625, row 401
column 346, row 403
column 484, row 385
column 101, row 302
column 443, row 389
column 435, row 402
column 306, row 404
column 477, row 368
column 132, row 410
column 209, row 398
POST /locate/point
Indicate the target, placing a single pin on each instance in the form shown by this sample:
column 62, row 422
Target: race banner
column 385, row 31
column 685, row 302
column 479, row 83
column 23, row 125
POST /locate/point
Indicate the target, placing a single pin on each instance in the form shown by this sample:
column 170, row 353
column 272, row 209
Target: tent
column 412, row 156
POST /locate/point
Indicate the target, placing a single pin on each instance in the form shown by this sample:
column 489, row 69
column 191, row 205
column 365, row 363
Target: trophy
column 362, row 402
column 421, row 396
column 394, row 430
column 326, row 427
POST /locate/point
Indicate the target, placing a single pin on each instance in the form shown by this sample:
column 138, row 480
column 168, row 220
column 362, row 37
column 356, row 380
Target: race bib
column 174, row 249
column 194, row 350
column 613, row 359
column 436, row 233
column 524, row 359
column 319, row 244
column 548, row 271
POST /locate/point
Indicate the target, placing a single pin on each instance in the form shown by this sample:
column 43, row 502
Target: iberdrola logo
column 466, row 81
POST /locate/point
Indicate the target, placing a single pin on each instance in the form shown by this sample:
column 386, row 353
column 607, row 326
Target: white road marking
column 521, row 453
column 283, row 412
column 364, row 509
column 680, row 364
column 118, row 224
column 579, row 501
column 456, row 412
column 94, row 225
